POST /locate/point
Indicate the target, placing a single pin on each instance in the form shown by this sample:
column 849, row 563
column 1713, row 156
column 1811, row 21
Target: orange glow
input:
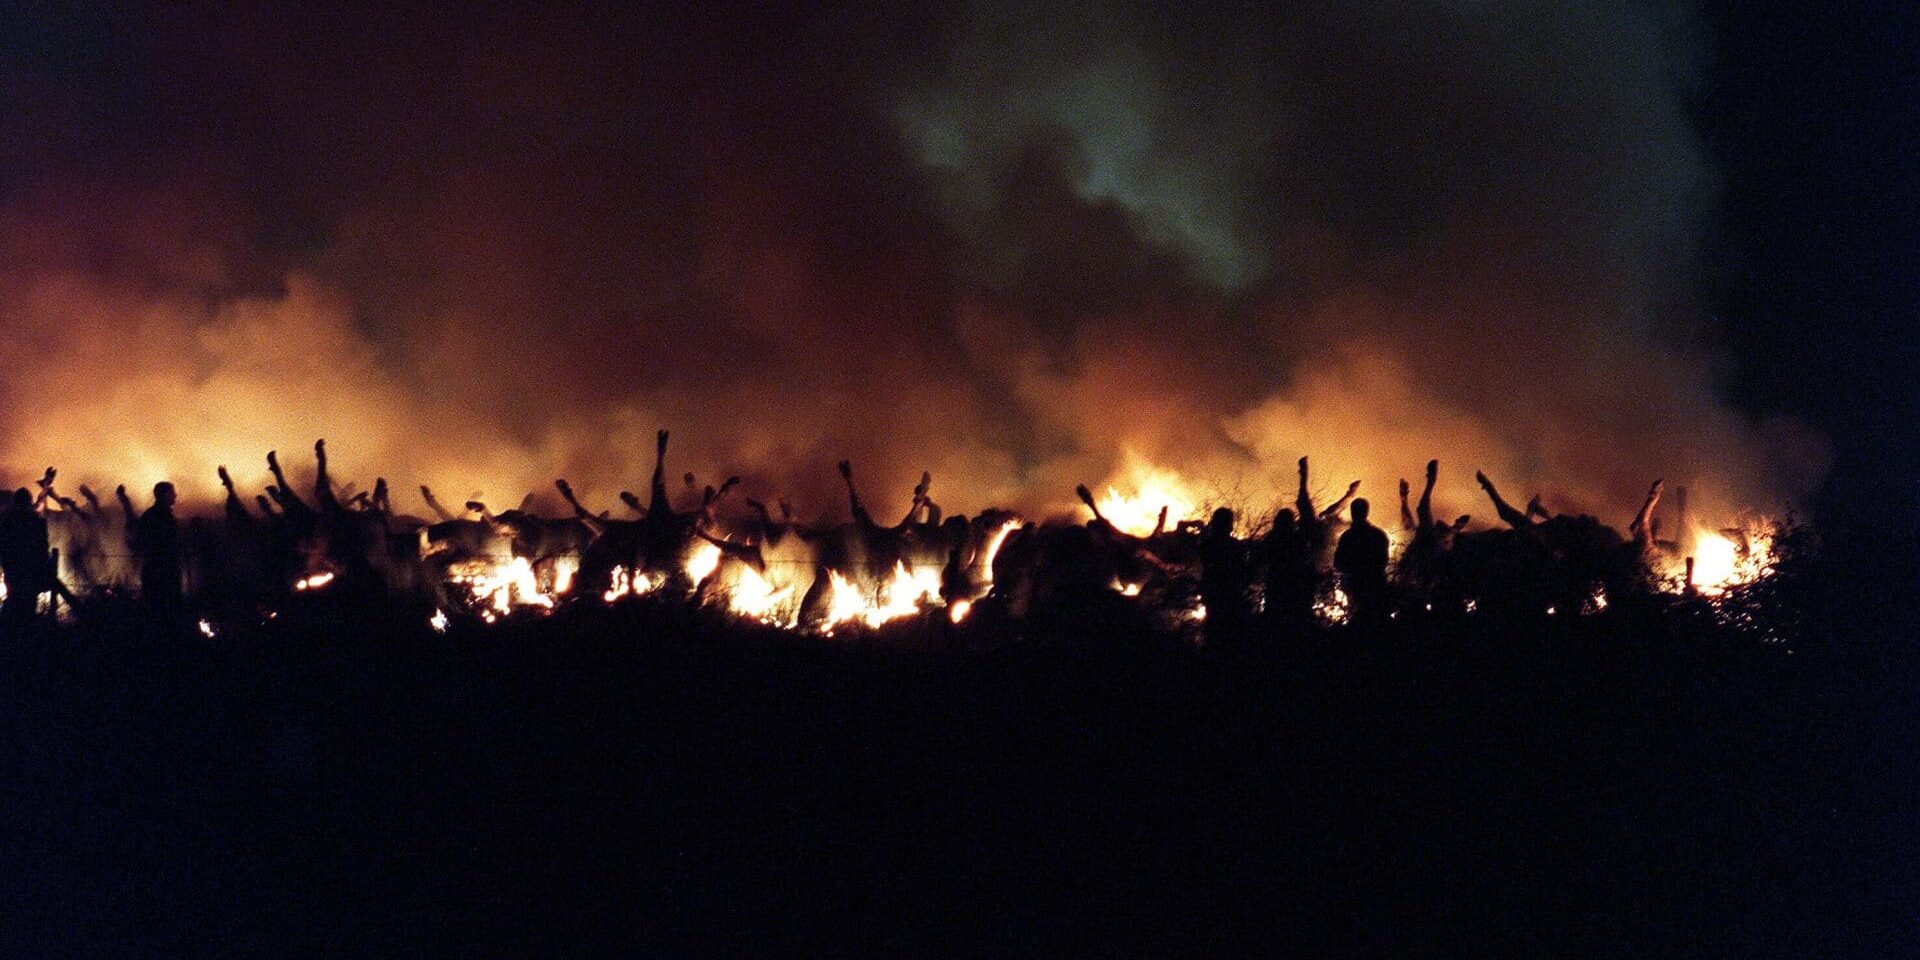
column 1148, row 489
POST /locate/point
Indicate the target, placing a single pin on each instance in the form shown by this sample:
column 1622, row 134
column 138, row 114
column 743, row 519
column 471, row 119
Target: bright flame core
column 1721, row 563
column 893, row 599
column 1152, row 488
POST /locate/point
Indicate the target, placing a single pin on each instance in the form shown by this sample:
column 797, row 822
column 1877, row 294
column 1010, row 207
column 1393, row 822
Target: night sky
column 1577, row 245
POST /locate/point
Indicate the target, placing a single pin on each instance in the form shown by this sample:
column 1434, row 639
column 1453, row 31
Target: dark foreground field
column 645, row 783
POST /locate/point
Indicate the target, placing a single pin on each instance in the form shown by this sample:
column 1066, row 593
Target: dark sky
column 1579, row 245
column 1813, row 116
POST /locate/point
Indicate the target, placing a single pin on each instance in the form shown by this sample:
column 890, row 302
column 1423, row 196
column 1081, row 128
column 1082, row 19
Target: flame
column 959, row 610
column 1333, row 607
column 901, row 596
column 750, row 595
column 498, row 588
column 565, row 568
column 438, row 621
column 206, row 629
column 1597, row 601
column 1721, row 563
column 992, row 550
column 628, row 583
column 1152, row 488
column 702, row 562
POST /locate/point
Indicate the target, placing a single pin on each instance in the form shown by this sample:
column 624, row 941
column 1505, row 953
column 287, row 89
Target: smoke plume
column 1021, row 248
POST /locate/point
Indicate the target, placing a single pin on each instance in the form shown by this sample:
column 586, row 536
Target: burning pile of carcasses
column 1145, row 547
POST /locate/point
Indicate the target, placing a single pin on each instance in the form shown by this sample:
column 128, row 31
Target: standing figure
column 23, row 559
column 1361, row 559
column 1223, row 578
column 156, row 538
column 1290, row 573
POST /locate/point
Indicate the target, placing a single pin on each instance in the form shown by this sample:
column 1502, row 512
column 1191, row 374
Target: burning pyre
column 1148, row 544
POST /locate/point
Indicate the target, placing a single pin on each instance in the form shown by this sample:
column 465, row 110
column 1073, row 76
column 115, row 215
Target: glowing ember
column 206, row 629
column 314, row 581
column 1125, row 589
column 1333, row 607
column 498, row 588
column 959, row 610
column 438, row 621
column 1596, row 602
column 564, row 570
column 628, row 583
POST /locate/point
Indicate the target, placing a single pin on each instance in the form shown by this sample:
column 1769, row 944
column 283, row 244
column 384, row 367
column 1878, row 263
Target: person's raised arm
column 1406, row 512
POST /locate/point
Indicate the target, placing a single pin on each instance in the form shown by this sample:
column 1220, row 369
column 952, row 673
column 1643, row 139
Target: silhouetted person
column 1223, row 577
column 23, row 559
column 1318, row 525
column 1361, row 559
column 1290, row 573
column 156, row 538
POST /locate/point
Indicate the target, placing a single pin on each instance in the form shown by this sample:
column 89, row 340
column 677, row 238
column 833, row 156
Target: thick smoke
column 1019, row 248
